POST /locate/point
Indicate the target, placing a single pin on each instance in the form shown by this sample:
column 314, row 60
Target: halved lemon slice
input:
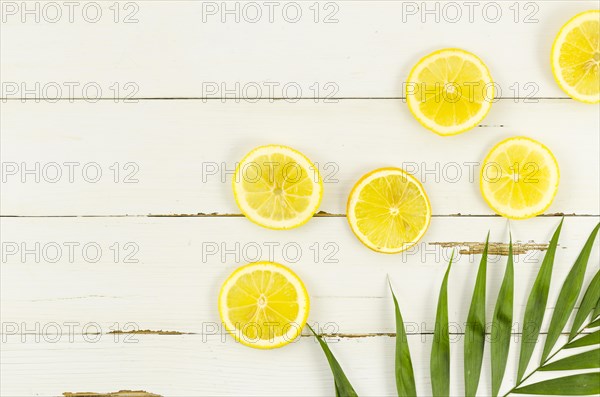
column 450, row 91
column 264, row 305
column 576, row 57
column 519, row 178
column 388, row 210
column 277, row 187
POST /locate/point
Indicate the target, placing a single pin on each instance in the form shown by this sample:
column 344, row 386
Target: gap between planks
column 321, row 214
column 465, row 247
column 29, row 99
column 303, row 335
column 120, row 393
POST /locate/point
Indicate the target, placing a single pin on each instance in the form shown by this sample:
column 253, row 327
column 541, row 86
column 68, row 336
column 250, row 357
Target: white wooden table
column 117, row 147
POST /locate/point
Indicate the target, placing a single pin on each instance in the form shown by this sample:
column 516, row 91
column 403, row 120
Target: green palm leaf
column 575, row 385
column 342, row 385
column 475, row 330
column 582, row 384
column 596, row 314
column 591, row 297
column 586, row 360
column 568, row 295
column 536, row 305
column 440, row 351
column 594, row 324
column 502, row 324
column 587, row 340
column 405, row 378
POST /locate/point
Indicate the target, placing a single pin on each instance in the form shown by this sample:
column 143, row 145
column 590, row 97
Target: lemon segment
column 576, row 57
column 277, row 187
column 388, row 210
column 450, row 91
column 519, row 178
column 264, row 305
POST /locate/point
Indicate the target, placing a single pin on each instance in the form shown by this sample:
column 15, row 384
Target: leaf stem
column 534, row 371
column 545, row 362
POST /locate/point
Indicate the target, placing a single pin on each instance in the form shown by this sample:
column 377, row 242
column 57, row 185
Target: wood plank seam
column 321, row 214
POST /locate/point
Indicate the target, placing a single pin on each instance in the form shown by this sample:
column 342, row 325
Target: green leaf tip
column 440, row 350
column 502, row 324
column 405, row 378
column 475, row 330
column 342, row 385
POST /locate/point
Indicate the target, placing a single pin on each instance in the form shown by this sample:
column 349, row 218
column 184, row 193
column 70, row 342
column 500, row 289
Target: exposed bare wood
column 475, row 247
column 120, row 393
column 149, row 332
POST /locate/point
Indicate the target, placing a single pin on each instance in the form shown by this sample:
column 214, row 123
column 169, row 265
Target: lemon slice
column 519, row 178
column 277, row 187
column 264, row 305
column 576, row 57
column 450, row 91
column 388, row 210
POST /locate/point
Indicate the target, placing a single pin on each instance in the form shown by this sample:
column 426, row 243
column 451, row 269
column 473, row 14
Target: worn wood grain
column 176, row 51
column 193, row 365
column 177, row 157
column 163, row 274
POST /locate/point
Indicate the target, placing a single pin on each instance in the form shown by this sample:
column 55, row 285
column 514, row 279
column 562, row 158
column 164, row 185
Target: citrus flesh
column 388, row 210
column 519, row 178
column 450, row 91
column 264, row 305
column 576, row 57
column 277, row 187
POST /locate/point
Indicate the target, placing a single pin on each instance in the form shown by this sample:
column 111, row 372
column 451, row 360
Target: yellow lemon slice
column 576, row 57
column 277, row 187
column 519, row 178
column 450, row 91
column 388, row 210
column 264, row 305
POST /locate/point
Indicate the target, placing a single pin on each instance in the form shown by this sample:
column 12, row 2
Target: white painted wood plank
column 175, row 49
column 178, row 155
column 191, row 365
column 183, row 261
